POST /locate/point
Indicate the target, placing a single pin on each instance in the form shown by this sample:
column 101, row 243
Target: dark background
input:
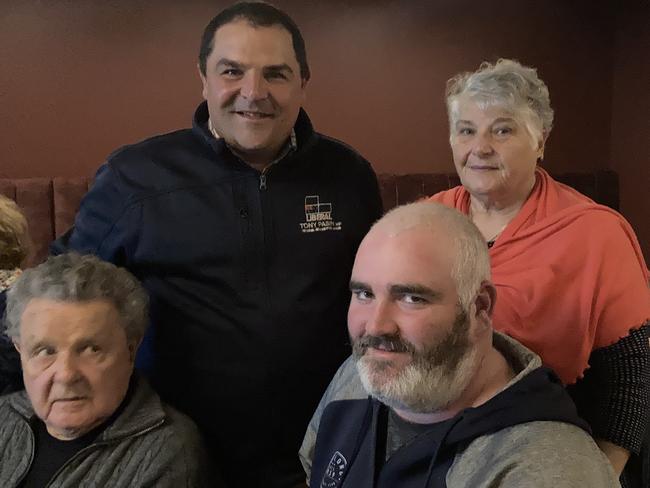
column 80, row 78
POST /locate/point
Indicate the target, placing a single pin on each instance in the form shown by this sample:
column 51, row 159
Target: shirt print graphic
column 318, row 216
column 334, row 472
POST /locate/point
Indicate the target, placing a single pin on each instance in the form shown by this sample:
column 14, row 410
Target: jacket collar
column 303, row 130
column 143, row 412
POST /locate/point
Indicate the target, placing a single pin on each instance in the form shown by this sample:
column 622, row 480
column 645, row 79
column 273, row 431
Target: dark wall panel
column 81, row 78
column 630, row 154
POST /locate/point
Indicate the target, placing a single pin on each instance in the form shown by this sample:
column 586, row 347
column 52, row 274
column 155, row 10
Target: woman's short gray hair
column 510, row 84
column 75, row 278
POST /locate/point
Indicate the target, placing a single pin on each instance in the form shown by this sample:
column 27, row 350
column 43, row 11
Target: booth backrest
column 50, row 204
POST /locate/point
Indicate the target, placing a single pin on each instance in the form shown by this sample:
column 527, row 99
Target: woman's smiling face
column 494, row 153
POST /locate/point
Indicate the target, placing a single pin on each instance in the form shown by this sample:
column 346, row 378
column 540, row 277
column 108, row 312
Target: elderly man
column 243, row 230
column 451, row 402
column 85, row 419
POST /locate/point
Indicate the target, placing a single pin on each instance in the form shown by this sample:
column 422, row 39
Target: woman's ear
column 541, row 144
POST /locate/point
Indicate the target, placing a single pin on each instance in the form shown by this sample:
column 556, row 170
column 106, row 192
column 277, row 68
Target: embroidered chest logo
column 334, row 472
column 318, row 216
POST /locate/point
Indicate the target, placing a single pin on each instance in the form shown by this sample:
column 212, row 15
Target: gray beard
column 433, row 380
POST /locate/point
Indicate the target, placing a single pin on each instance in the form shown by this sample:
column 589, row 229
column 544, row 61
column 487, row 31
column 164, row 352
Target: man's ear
column 204, row 82
column 16, row 345
column 134, row 345
column 485, row 300
column 303, row 87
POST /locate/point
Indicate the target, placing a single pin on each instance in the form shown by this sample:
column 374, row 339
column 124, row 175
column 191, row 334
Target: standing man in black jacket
column 243, row 230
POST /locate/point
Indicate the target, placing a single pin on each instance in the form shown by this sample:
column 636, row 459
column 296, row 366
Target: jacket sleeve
column 573, row 471
column 372, row 193
column 106, row 223
column 614, row 394
column 181, row 461
column 345, row 385
column 539, row 454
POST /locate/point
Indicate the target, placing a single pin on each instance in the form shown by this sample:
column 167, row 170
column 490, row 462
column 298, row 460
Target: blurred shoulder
column 152, row 146
column 339, row 149
column 540, row 453
column 181, row 425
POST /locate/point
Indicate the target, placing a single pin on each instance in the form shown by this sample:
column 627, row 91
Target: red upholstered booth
column 50, row 204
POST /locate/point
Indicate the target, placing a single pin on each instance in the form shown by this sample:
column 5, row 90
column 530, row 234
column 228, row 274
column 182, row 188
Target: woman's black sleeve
column 614, row 394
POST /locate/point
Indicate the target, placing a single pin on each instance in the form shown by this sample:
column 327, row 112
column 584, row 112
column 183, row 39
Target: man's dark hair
column 258, row 14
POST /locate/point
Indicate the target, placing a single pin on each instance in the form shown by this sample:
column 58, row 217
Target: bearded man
column 432, row 396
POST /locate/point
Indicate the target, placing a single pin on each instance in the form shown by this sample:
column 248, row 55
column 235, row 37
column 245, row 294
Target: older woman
column 14, row 248
column 571, row 279
column 14, row 241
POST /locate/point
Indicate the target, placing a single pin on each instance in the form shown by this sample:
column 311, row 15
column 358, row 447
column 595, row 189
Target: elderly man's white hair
column 75, row 278
column 472, row 264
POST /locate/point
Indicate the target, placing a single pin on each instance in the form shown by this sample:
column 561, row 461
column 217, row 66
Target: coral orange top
column 569, row 273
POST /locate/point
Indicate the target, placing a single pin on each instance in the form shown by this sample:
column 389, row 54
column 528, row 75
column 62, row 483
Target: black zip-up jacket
column 248, row 278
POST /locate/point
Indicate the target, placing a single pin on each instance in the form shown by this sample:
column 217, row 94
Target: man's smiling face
column 411, row 339
column 253, row 88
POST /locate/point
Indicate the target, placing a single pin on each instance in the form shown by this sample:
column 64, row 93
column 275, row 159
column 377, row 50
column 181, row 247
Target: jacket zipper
column 264, row 172
column 99, row 444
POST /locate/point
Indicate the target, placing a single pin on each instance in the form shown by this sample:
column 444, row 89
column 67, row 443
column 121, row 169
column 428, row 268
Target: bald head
column 441, row 224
